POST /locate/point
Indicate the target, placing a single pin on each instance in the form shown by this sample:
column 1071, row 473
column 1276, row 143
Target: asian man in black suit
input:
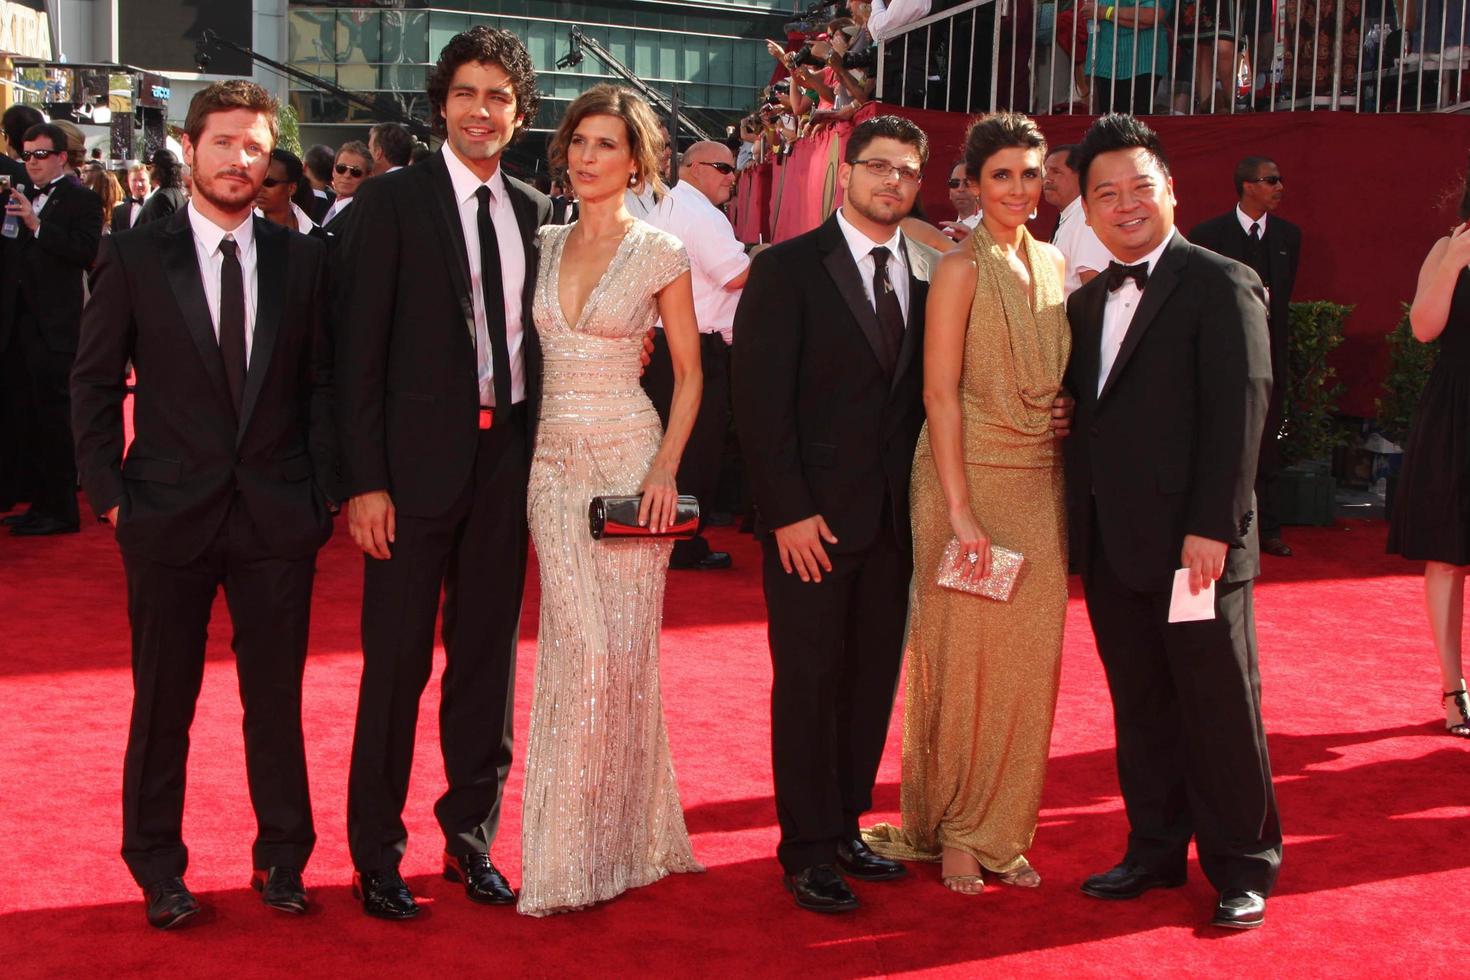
column 438, row 372
column 1171, row 370
column 45, row 268
column 1254, row 234
column 226, row 484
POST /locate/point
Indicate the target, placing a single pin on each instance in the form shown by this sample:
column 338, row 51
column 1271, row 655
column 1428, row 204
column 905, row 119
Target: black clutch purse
column 617, row 517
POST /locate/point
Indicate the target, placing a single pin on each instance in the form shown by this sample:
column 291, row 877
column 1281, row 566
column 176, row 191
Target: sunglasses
column 955, row 183
column 30, row 155
column 1272, row 179
column 342, row 168
column 723, row 168
column 273, row 182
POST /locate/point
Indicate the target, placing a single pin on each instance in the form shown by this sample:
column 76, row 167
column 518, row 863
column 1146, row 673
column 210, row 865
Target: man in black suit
column 317, row 162
column 438, row 373
column 222, row 315
column 1172, row 373
column 16, row 425
column 827, row 387
column 125, row 212
column 1253, row 233
column 41, row 304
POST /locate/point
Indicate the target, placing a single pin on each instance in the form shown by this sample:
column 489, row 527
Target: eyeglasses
column 30, row 155
column 342, row 168
column 722, row 167
column 1272, row 179
column 882, row 169
column 955, row 183
column 273, row 182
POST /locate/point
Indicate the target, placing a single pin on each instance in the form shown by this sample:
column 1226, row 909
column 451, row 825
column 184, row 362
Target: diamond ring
column 973, row 557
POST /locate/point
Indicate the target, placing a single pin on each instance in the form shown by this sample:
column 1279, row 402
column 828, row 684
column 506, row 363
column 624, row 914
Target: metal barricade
column 1178, row 58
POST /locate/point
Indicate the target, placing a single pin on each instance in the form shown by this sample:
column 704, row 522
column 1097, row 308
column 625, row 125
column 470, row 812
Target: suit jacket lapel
column 181, row 265
column 1160, row 285
column 270, row 288
column 844, row 272
column 442, row 195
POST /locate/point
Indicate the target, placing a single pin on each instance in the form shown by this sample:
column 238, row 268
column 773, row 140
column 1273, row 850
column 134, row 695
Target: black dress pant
column 836, row 648
column 1192, row 757
column 270, row 610
column 54, row 455
column 17, row 428
column 475, row 552
column 699, row 469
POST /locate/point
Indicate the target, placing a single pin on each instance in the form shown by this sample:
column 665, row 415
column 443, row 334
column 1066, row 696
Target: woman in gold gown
column 982, row 675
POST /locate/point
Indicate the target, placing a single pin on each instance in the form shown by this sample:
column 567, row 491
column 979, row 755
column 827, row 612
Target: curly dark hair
column 998, row 131
column 1118, row 131
column 485, row 44
column 892, row 127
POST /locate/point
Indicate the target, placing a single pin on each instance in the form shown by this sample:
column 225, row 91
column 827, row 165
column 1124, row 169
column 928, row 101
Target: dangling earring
column 633, row 179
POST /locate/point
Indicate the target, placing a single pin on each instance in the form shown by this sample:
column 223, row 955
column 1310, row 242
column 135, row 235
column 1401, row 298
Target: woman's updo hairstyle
column 998, row 131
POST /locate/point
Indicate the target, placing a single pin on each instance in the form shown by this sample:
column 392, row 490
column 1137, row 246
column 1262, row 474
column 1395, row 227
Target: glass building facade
column 713, row 50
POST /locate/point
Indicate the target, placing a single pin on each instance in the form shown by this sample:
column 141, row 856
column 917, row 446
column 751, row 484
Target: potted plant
column 1409, row 364
column 1305, row 487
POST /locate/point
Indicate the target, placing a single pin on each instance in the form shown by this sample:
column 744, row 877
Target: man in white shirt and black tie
column 1074, row 237
column 719, row 265
column 225, row 484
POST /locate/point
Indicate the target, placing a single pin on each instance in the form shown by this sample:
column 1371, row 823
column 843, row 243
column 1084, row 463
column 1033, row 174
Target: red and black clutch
column 617, row 517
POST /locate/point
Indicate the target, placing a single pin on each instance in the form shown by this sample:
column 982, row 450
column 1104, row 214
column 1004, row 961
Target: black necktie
column 492, row 290
column 232, row 320
column 890, row 312
column 1119, row 274
column 1255, row 231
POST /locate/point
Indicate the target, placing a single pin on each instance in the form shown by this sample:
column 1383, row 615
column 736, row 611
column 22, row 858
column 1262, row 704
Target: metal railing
column 1163, row 57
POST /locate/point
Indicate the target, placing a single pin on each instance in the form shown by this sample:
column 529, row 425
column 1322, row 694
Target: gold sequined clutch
column 1005, row 565
column 617, row 517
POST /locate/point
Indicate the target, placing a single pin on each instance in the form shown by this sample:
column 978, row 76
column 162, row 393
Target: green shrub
column 1409, row 364
column 1309, row 431
column 288, row 126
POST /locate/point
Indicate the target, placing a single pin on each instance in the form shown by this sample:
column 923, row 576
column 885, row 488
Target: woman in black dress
column 1431, row 518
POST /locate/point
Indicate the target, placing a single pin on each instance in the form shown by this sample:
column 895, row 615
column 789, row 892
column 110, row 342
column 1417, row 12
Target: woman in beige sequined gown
column 601, row 810
column 981, row 679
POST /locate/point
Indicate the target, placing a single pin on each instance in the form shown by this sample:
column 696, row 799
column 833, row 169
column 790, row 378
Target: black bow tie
column 1119, row 273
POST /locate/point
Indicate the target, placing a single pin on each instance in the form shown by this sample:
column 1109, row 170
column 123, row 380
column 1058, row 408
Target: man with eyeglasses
column 828, row 393
column 354, row 164
column 41, row 295
column 717, row 259
column 967, row 209
column 1254, row 234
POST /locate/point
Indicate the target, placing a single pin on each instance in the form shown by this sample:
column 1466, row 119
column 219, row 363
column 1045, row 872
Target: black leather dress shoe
column 856, row 860
column 1127, row 881
column 14, row 519
column 1240, row 909
column 384, row 895
column 1277, row 547
column 170, row 903
column 821, row 889
column 712, row 562
column 482, row 882
column 280, row 888
column 37, row 526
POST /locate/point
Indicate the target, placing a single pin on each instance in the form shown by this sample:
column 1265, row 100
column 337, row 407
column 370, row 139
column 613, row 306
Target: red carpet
column 1373, row 797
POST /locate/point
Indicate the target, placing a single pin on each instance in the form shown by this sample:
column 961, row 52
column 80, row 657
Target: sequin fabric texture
column 981, row 676
column 601, row 810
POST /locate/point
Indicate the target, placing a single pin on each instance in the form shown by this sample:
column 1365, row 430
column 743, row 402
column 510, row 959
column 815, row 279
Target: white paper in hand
column 1187, row 608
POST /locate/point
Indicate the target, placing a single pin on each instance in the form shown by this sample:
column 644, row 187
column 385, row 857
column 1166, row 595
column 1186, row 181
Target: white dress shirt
column 207, row 236
column 339, row 204
column 1118, row 313
column 888, row 18
column 642, row 203
column 715, row 255
column 1246, row 221
column 512, row 271
column 304, row 224
column 898, row 265
column 972, row 222
column 1079, row 245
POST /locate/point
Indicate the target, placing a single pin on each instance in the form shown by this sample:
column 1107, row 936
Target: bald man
column 717, row 259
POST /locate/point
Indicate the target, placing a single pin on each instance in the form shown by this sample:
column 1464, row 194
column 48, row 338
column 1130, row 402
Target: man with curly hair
column 439, row 376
